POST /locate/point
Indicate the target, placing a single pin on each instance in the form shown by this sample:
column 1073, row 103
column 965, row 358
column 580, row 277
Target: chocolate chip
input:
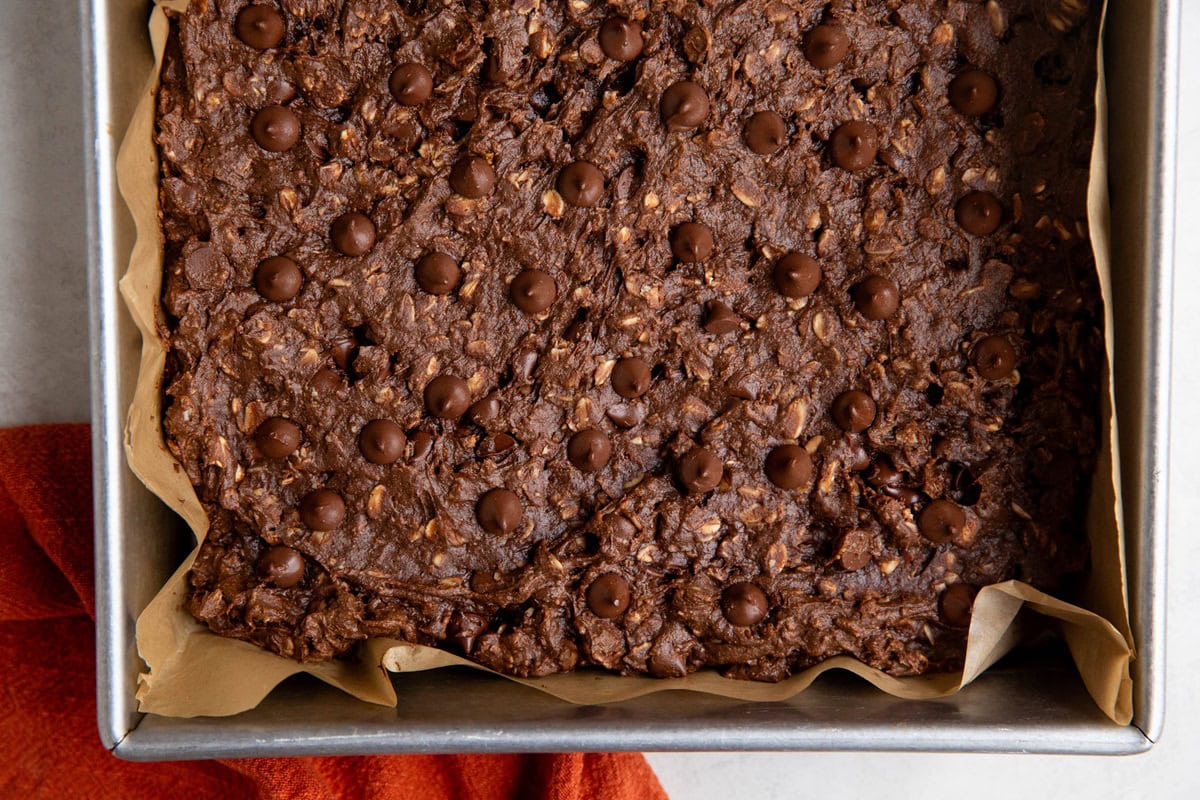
column 464, row 628
column 882, row 474
column 973, row 92
column 956, row 604
column 422, row 443
column 581, row 184
column 411, row 84
column 796, row 275
column 381, row 441
column 691, row 242
column 278, row 279
column 609, row 596
column 979, row 213
column 494, row 445
column 853, row 411
column 683, row 105
column 499, row 511
column 789, row 466
column 532, row 291
column 876, row 298
column 352, row 234
column 472, row 177
column 260, row 27
column 941, row 521
column 326, row 381
column 621, row 38
column 853, row 550
column 275, row 128
column 994, row 357
column 719, row 318
column 437, row 273
column 744, row 604
column 700, row 470
column 630, row 377
column 484, row 410
column 589, row 450
column 322, row 510
column 281, row 566
column 278, row 437
column 826, row 45
column 343, row 350
column 854, row 145
column 626, row 415
column 447, row 397
column 764, row 133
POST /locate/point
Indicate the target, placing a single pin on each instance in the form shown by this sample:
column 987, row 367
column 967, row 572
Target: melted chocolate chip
column 744, row 604
column 700, row 470
column 589, row 450
column 281, row 566
column 608, row 596
column 352, row 234
column 621, row 38
column 437, row 273
column 826, row 45
column 381, row 441
column 322, row 510
column 876, row 298
column 691, row 242
column 941, row 521
column 979, row 213
column 411, row 84
column 278, row 279
column 447, row 397
column 276, row 129
column 533, row 291
column 854, row 145
column 499, row 511
column 956, row 604
column 278, row 437
column 683, row 105
column 719, row 318
column 472, row 177
column 796, row 275
column 581, row 184
column 764, row 133
column 853, row 411
column 631, row 377
column 789, row 466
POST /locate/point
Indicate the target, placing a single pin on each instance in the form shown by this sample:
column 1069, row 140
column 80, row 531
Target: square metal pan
column 1032, row 702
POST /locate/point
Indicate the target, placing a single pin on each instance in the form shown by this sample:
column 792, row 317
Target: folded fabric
column 48, row 737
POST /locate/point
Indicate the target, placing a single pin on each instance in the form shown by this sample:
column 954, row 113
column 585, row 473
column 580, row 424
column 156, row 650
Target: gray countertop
column 44, row 378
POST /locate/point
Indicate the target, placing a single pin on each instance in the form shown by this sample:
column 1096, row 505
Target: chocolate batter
column 645, row 335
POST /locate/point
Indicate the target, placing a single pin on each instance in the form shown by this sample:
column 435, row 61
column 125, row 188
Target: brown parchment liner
column 194, row 672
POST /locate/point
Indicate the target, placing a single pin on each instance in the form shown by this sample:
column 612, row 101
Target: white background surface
column 43, row 378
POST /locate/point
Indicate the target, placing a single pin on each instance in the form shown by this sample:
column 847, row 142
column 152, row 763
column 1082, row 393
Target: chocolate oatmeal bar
column 650, row 336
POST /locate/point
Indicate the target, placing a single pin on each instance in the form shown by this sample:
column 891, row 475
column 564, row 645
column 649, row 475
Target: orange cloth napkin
column 48, row 738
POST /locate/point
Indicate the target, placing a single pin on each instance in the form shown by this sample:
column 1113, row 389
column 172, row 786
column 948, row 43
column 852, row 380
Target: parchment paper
column 193, row 672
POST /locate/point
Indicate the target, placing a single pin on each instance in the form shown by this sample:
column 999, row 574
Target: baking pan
column 1030, row 702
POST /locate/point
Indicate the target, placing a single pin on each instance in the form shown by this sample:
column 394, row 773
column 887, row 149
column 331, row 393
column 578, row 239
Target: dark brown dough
column 836, row 562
